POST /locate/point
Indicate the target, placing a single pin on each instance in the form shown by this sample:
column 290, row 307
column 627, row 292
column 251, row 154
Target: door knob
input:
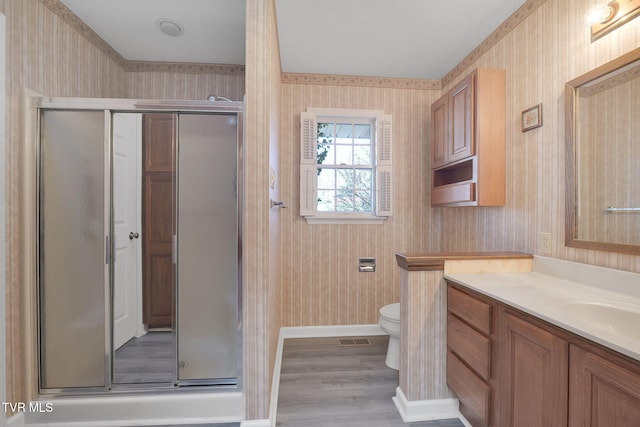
column 133, row 235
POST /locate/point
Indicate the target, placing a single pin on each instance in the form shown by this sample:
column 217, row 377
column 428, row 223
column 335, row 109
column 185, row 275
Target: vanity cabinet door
column 602, row 393
column 439, row 131
column 533, row 374
column 462, row 120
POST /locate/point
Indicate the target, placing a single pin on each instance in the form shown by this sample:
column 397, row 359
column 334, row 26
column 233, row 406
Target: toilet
column 390, row 323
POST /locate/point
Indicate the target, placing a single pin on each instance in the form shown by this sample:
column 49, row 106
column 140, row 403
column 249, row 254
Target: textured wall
column 45, row 55
column 261, row 293
column 423, row 321
column 180, row 85
column 549, row 48
column 52, row 53
column 321, row 282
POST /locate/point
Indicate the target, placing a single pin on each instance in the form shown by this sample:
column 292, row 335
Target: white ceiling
column 213, row 29
column 383, row 38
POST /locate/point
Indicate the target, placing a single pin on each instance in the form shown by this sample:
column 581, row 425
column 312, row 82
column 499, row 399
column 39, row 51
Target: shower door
column 207, row 248
column 73, row 249
column 76, row 255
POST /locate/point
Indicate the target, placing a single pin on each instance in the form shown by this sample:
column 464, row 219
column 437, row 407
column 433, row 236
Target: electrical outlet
column 545, row 244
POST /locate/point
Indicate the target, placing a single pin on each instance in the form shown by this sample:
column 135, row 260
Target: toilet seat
column 391, row 312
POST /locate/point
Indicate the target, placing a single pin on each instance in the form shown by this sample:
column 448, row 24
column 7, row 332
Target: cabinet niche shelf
column 468, row 142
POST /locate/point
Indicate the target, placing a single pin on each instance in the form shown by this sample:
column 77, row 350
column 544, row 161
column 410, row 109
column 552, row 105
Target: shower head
column 214, row 98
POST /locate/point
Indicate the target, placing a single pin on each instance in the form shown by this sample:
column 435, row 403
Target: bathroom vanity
column 531, row 348
column 520, row 340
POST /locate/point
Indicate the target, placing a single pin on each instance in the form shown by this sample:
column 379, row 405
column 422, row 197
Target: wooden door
column 126, row 221
column 601, row 392
column 158, row 143
column 533, row 370
column 439, row 131
column 462, row 120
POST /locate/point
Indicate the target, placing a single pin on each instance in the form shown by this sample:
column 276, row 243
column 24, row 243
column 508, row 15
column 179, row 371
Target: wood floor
column 147, row 359
column 323, row 384
column 200, row 425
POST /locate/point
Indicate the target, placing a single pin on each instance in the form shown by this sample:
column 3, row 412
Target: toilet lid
column 391, row 311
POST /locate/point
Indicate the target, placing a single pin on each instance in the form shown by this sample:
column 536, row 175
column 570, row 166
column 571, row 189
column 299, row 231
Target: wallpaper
column 45, row 56
column 298, row 274
column 53, row 55
column 549, row 48
column 261, row 234
column 544, row 45
column 178, row 85
column 321, row 282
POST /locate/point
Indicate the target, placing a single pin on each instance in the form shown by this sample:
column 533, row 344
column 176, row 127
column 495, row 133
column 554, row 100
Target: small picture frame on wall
column 532, row 118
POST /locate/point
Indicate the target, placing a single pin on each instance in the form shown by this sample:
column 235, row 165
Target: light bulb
column 598, row 14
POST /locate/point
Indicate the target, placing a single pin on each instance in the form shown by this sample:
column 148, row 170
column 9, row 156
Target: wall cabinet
column 510, row 369
column 439, row 131
column 468, row 142
column 453, row 120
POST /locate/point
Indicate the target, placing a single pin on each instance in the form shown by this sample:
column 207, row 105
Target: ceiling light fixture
column 169, row 27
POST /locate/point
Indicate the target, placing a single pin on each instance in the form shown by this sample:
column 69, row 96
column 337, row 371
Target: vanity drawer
column 470, row 345
column 475, row 312
column 473, row 393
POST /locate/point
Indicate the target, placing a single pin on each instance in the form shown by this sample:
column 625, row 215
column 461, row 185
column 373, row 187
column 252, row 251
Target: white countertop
column 607, row 314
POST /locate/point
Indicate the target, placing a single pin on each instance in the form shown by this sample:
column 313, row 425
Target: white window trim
column 345, row 218
column 308, row 166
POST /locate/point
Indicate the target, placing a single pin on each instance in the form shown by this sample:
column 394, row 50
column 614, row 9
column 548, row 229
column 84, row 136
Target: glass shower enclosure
column 86, row 278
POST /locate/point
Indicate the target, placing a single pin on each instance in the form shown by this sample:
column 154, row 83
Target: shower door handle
column 174, row 249
column 133, row 235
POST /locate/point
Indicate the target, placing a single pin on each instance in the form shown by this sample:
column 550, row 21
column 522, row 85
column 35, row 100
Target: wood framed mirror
column 603, row 157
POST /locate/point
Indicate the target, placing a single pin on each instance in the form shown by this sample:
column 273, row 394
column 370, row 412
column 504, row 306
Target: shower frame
column 30, row 203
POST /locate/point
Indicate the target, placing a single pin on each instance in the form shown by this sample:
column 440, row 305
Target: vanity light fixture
column 599, row 14
column 604, row 18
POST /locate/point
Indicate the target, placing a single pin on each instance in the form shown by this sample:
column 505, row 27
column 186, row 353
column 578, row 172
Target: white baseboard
column 256, row 423
column 159, row 409
column 330, row 331
column 425, row 410
column 464, row 421
column 275, row 382
column 309, row 332
column 16, row 421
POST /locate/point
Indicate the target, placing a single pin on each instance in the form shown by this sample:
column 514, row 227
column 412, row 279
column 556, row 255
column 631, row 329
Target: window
column 345, row 168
